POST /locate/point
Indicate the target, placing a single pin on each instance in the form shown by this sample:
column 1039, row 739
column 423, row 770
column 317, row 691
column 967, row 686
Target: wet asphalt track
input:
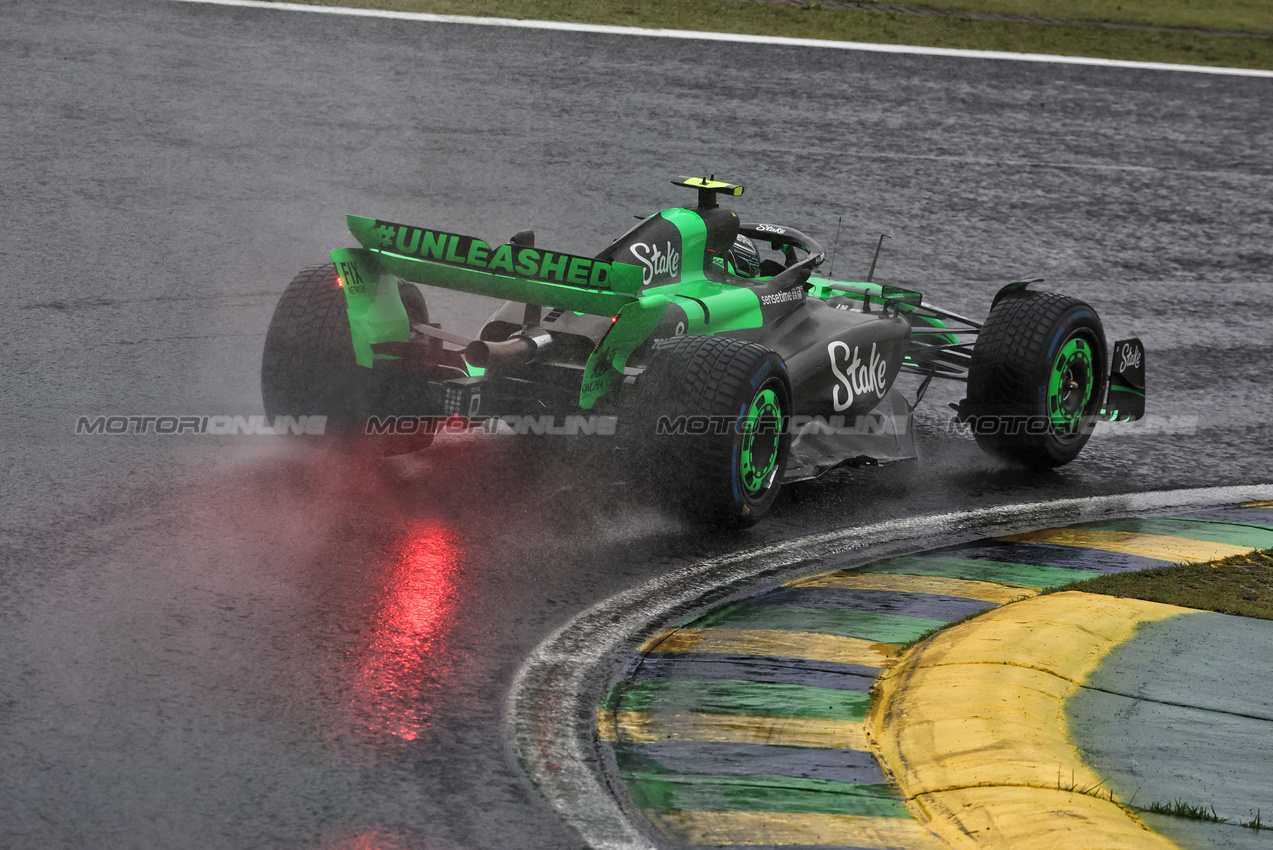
column 236, row 642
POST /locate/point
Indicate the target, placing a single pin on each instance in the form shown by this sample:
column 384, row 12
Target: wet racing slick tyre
column 1036, row 380
column 708, row 422
column 308, row 366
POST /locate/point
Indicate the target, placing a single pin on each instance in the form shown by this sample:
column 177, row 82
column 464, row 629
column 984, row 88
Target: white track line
column 732, row 37
column 550, row 715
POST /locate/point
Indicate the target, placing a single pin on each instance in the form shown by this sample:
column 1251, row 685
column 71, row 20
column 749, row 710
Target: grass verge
column 1241, row 585
column 811, row 20
column 1253, row 16
column 1181, row 809
column 943, row 627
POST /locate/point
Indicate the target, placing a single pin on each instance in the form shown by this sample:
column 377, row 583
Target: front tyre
column 1036, row 379
column 711, row 416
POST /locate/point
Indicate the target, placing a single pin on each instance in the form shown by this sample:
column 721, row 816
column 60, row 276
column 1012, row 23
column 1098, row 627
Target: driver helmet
column 742, row 259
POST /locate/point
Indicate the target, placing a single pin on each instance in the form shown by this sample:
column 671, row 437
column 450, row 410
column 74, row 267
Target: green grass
column 1181, row 809
column 814, row 21
column 1231, row 15
column 930, row 632
column 1241, row 585
column 1099, row 791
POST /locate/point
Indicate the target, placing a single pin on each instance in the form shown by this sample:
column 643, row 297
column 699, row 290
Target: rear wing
column 511, row 272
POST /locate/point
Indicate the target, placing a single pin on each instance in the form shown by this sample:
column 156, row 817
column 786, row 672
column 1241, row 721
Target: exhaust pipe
column 517, row 351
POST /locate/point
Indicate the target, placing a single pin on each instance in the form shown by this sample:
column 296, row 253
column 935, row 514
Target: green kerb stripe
column 885, row 628
column 731, row 696
column 1190, row 529
column 1020, row 575
column 718, row 793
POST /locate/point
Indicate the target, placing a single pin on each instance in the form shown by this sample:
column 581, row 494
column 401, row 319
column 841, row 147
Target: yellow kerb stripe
column 972, row 725
column 984, row 591
column 1035, row 819
column 1257, row 505
column 641, row 728
column 784, row 828
column 774, row 643
column 1160, row 546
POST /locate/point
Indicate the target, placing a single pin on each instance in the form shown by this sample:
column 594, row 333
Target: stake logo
column 1129, row 357
column 856, row 378
column 655, row 262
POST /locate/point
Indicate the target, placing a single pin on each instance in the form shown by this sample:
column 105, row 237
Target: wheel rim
column 1071, row 385
column 761, row 441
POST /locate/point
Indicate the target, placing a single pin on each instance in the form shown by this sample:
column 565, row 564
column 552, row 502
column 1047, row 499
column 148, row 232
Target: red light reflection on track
column 406, row 645
column 376, row 839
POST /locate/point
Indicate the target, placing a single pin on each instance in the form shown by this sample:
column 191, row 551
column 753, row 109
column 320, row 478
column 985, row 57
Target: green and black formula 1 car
column 716, row 347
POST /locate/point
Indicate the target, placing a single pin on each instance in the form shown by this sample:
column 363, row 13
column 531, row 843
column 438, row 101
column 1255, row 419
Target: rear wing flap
column 512, row 272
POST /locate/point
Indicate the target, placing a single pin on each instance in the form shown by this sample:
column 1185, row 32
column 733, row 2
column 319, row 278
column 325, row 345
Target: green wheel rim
column 1070, row 385
column 761, row 439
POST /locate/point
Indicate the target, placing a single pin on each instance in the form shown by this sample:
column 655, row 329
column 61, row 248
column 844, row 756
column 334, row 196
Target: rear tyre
column 1036, row 379
column 308, row 366
column 721, row 446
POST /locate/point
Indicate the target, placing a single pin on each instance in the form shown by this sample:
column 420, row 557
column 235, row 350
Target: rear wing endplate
column 1125, row 400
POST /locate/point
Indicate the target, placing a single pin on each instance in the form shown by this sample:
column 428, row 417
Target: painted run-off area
column 818, row 21
column 755, row 725
column 1180, row 719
